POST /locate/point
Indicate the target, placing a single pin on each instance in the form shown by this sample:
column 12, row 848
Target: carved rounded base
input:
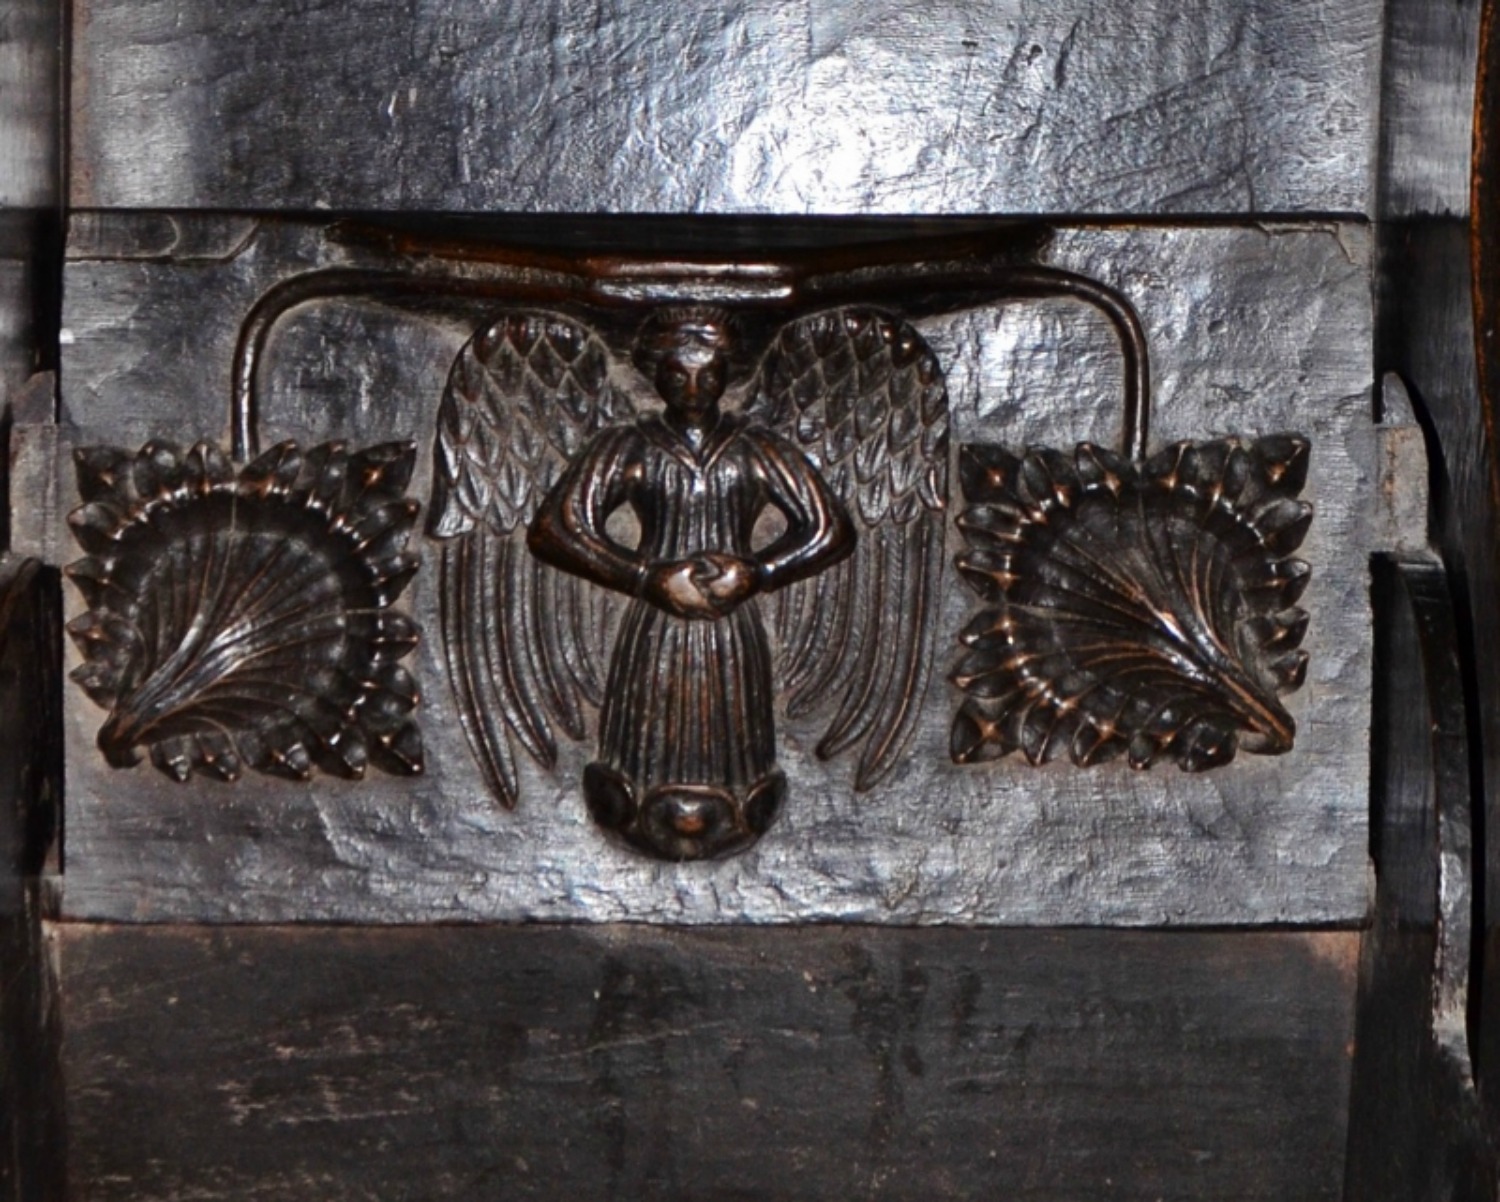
column 682, row 821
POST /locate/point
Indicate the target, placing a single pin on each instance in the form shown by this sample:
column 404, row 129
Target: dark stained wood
column 31, row 1119
column 1222, row 106
column 538, row 446
column 30, row 723
column 1481, row 502
column 1438, row 317
column 1259, row 332
column 630, row 1063
column 1416, row 1130
column 617, row 1062
column 239, row 616
column 1140, row 609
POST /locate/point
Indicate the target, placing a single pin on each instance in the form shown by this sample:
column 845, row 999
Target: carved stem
column 373, row 284
column 1023, row 283
column 1135, row 426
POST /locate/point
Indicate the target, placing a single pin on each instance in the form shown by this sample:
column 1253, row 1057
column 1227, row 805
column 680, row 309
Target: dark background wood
column 628, row 1063
column 1482, row 504
column 765, row 106
column 31, row 1118
column 1416, row 1129
column 1438, row 316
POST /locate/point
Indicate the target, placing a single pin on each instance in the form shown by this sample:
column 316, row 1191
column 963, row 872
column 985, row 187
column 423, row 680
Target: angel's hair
column 675, row 327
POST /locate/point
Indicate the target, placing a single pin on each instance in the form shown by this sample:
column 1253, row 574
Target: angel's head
column 685, row 355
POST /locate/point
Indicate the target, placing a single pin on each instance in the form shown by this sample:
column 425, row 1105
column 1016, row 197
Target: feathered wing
column 524, row 643
column 861, row 394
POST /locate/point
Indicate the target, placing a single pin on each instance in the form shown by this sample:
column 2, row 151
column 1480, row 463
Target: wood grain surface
column 628, row 1062
column 766, row 106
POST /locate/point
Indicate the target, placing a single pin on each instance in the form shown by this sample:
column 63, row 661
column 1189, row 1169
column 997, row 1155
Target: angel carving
column 789, row 530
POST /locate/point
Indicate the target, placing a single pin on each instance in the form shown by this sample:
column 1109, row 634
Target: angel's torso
column 688, row 500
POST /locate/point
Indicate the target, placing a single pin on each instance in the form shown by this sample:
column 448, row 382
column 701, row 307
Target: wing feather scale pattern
column 861, row 394
column 524, row 643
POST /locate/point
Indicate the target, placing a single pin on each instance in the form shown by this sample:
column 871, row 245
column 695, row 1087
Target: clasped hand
column 708, row 585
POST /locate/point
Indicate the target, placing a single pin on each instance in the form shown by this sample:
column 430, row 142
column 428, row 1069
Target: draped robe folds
column 689, row 700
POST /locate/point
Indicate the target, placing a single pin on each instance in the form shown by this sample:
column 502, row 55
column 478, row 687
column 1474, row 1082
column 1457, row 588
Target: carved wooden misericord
column 678, row 519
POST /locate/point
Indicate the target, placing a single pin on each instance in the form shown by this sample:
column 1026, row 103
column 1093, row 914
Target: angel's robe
column 689, row 700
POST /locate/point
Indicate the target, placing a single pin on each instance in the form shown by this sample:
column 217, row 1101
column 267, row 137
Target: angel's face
column 691, row 379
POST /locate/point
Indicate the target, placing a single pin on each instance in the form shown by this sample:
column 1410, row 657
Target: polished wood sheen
column 749, row 602
column 262, row 1063
column 241, row 617
column 1145, row 610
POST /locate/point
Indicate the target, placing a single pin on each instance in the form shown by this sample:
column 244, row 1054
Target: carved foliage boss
column 240, row 617
column 1140, row 609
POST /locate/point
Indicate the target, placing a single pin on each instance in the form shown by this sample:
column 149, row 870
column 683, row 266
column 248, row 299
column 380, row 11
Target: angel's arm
column 818, row 531
column 568, row 530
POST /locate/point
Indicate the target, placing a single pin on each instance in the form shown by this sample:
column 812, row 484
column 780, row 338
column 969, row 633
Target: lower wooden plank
column 32, row 1131
column 627, row 1063
column 31, row 1121
column 1417, row 1128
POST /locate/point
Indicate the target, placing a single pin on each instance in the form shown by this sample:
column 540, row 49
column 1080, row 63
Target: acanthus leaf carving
column 240, row 616
column 1144, row 609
